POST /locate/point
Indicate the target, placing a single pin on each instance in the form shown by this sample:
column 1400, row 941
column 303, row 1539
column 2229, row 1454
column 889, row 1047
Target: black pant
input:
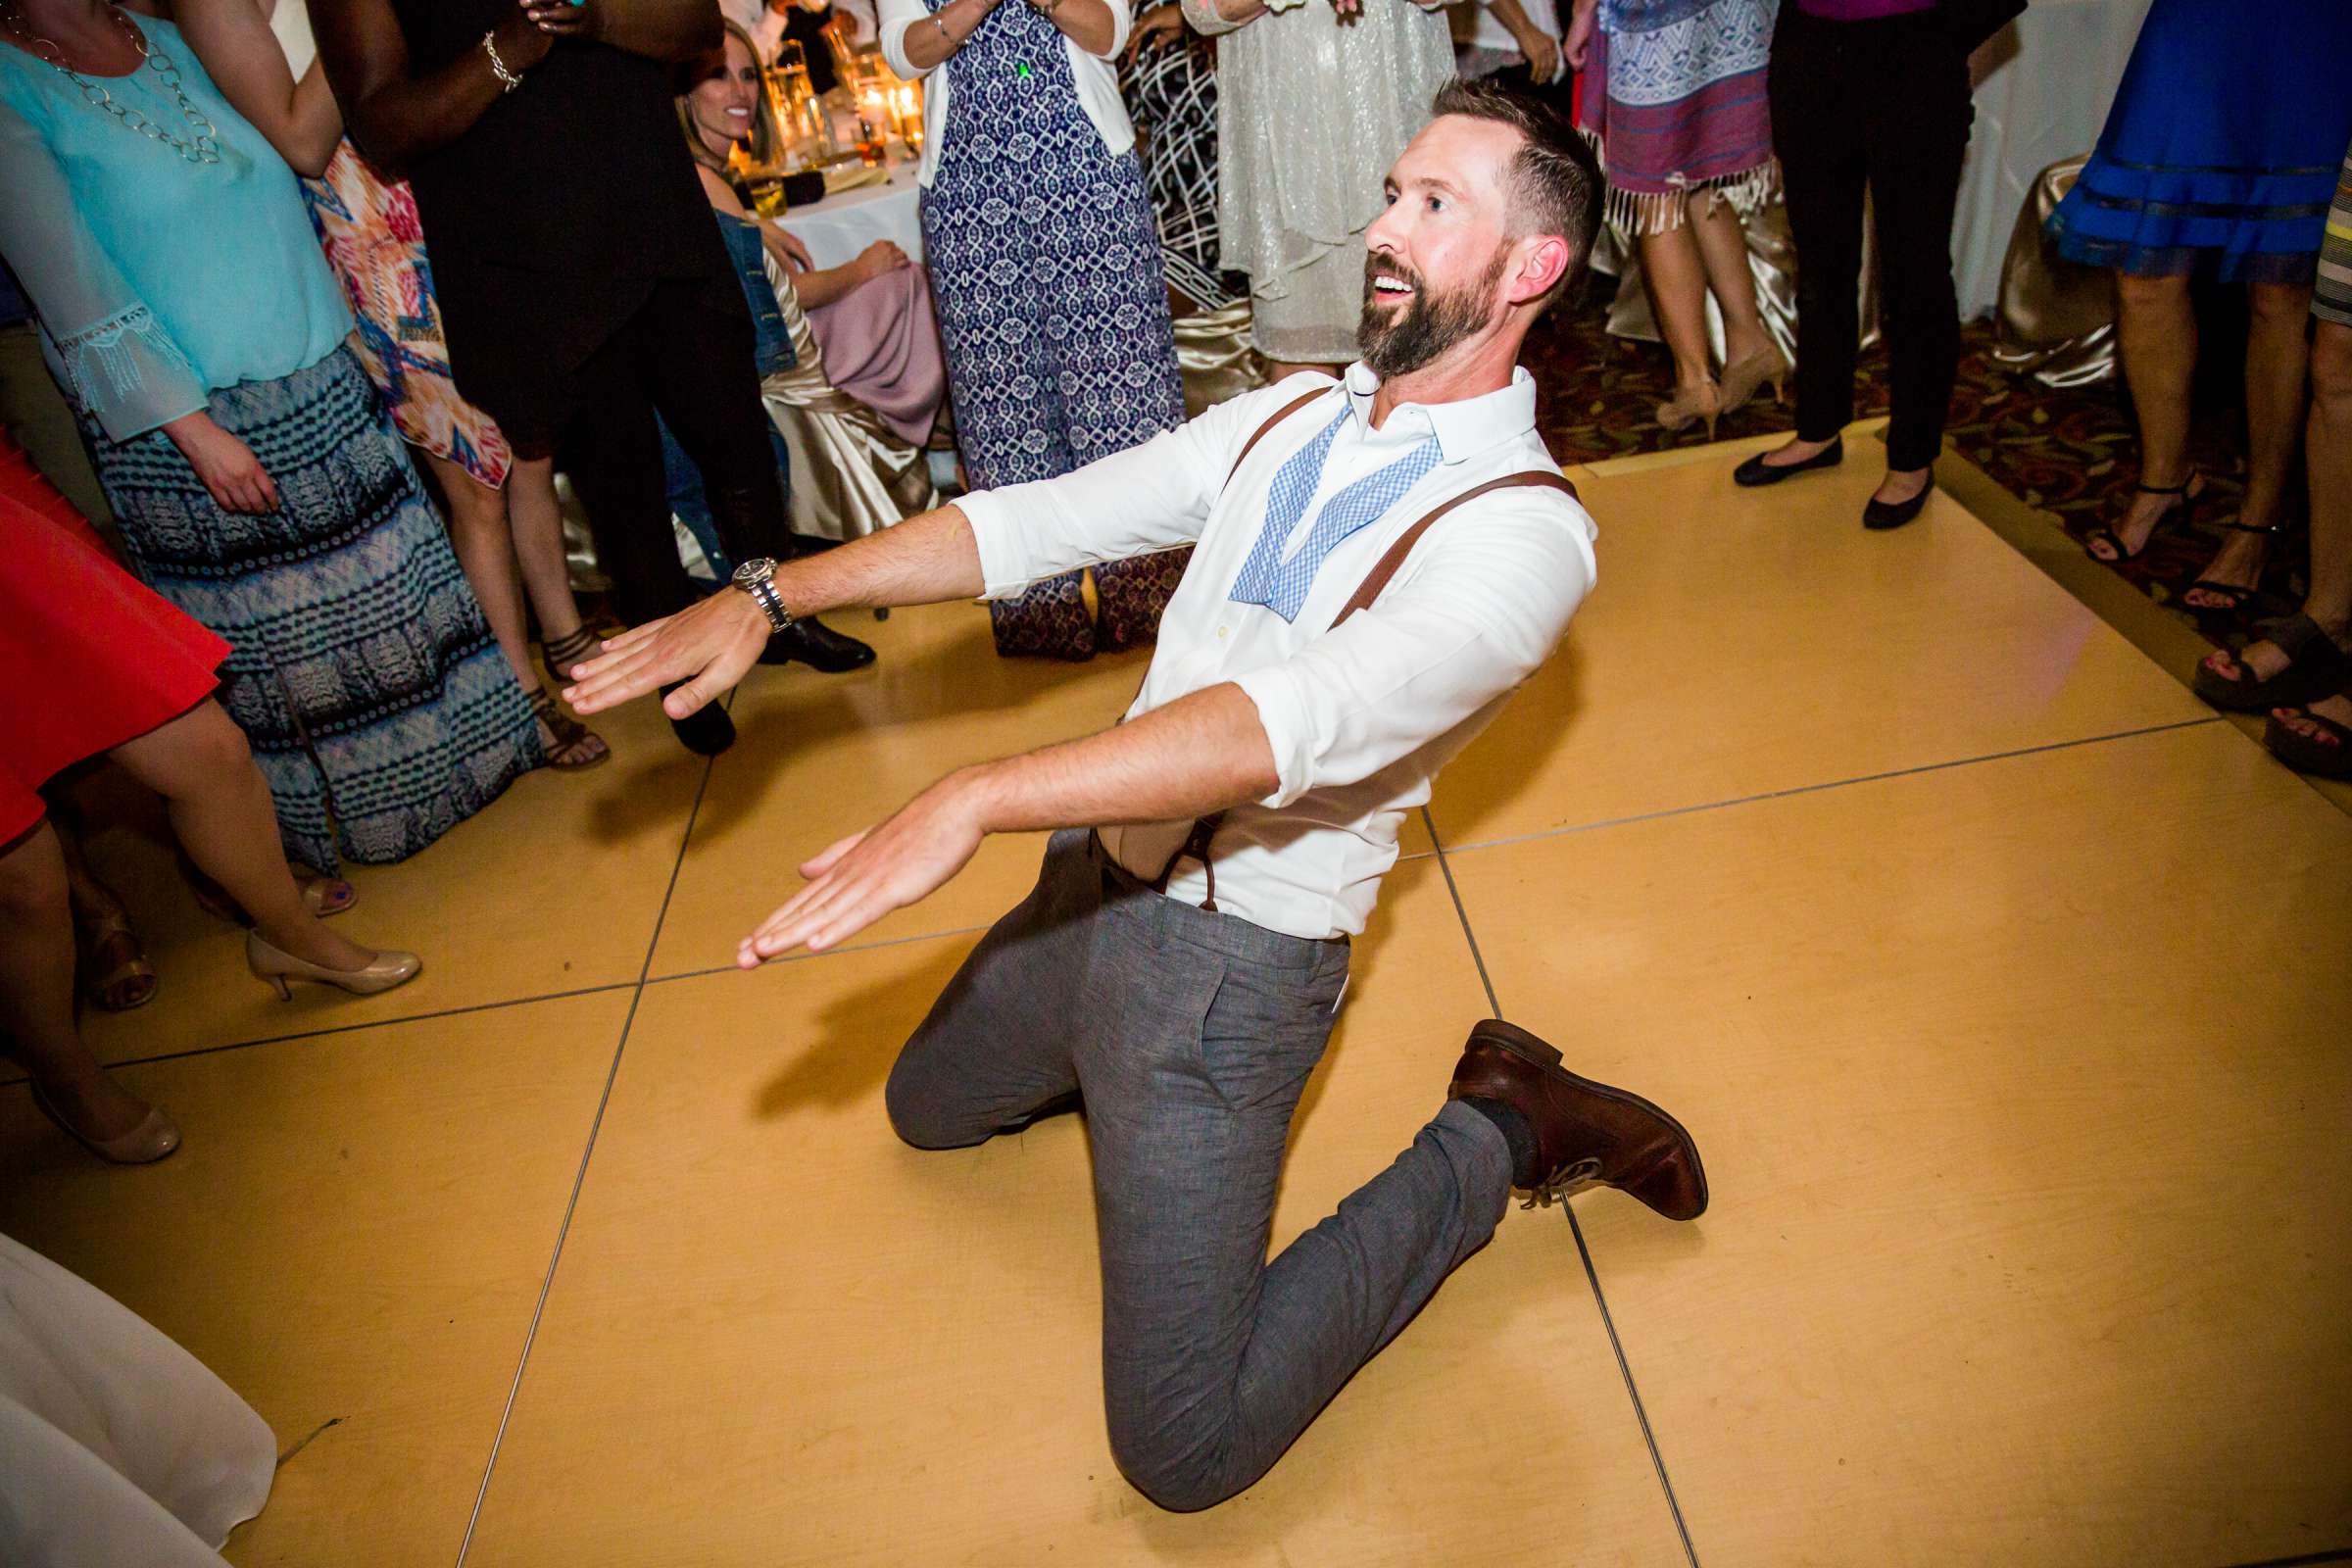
column 1884, row 103
column 687, row 355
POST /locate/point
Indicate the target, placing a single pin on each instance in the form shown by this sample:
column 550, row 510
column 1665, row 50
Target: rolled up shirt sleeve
column 1148, row 499
column 1455, row 631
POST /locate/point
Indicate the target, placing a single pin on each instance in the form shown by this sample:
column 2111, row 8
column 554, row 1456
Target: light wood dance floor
column 2003, row 986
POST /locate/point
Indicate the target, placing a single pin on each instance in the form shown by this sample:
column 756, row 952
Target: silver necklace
column 205, row 148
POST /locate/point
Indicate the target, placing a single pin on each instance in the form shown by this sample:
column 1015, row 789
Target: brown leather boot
column 1587, row 1133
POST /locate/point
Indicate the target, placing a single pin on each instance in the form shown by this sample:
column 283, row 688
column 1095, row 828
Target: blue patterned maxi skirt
column 361, row 671
column 1046, row 268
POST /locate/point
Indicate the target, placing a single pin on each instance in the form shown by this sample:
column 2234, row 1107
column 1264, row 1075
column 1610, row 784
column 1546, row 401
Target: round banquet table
column 841, row 226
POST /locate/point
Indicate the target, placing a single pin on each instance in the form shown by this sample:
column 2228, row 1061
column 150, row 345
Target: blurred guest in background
column 1314, row 104
column 581, row 283
column 254, row 477
column 1674, row 93
column 1874, row 93
column 503, row 518
column 2218, row 162
column 2300, row 669
column 861, row 462
column 1039, row 235
column 1514, row 43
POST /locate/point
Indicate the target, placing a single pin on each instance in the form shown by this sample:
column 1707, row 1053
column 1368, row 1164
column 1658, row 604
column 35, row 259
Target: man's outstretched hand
column 710, row 647
column 866, row 875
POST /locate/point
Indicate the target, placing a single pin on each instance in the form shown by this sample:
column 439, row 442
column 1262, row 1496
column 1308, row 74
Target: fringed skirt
column 1674, row 101
column 361, row 669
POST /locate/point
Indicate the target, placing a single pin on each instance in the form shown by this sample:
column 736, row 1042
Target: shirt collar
column 1463, row 428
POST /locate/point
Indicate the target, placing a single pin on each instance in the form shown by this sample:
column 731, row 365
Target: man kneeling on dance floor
column 1377, row 562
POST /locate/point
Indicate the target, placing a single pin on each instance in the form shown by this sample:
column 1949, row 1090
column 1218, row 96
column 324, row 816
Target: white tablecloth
column 838, row 227
column 2045, row 100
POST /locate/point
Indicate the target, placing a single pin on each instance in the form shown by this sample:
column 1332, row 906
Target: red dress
column 88, row 656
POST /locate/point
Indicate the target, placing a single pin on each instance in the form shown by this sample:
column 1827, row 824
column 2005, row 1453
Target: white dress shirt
column 1096, row 77
column 1359, row 717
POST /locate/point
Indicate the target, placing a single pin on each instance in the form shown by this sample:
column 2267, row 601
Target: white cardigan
column 1097, row 78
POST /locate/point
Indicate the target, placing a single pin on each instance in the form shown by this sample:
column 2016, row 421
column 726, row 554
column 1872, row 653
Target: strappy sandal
column 2238, row 595
column 561, row 655
column 575, row 745
column 2314, row 667
column 131, row 982
column 2326, row 756
column 2189, row 492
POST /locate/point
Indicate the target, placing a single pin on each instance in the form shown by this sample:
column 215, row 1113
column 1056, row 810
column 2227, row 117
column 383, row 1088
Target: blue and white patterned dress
column 1046, row 268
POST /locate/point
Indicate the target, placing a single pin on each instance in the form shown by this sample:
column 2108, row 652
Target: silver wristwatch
column 758, row 578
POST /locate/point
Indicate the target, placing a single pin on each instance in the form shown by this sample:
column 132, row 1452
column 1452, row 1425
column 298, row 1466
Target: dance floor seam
column 1583, row 1253
column 1758, row 798
column 579, row 1179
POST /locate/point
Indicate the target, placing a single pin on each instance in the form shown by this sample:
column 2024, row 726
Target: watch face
column 757, row 570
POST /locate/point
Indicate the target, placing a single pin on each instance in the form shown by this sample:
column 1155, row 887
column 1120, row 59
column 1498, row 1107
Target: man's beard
column 1396, row 345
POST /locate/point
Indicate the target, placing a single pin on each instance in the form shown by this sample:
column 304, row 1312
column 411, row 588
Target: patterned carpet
column 2072, row 453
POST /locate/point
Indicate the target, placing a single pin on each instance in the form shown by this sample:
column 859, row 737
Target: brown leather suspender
column 1195, row 844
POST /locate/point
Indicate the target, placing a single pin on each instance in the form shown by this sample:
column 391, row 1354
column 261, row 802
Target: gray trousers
column 1189, row 1036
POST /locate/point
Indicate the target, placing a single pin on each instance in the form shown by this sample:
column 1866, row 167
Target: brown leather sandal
column 561, row 655
column 575, row 745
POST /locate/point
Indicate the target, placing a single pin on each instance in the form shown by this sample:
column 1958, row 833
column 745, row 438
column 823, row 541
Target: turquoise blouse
column 157, row 281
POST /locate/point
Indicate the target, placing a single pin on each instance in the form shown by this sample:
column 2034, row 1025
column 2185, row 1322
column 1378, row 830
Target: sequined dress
column 1310, row 115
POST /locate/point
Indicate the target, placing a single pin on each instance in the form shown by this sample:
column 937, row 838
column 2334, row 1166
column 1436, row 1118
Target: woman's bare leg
column 219, row 808
column 2276, row 316
column 1678, row 290
column 537, row 522
column 36, row 991
column 485, row 549
column 1723, row 253
column 2327, row 460
column 2156, row 330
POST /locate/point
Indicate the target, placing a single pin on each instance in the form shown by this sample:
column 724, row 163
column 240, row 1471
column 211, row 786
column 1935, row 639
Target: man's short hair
column 1554, row 185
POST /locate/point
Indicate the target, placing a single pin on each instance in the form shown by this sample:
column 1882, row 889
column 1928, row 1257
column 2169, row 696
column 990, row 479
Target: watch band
column 764, row 594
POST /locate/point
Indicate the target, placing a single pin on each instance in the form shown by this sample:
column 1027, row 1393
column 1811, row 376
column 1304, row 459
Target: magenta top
column 1861, row 10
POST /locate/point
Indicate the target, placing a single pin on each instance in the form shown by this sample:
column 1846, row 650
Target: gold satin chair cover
column 850, row 476
column 2055, row 321
column 1213, row 353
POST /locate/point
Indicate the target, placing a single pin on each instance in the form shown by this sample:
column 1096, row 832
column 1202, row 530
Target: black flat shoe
column 812, row 641
column 706, row 732
column 1755, row 472
column 1881, row 516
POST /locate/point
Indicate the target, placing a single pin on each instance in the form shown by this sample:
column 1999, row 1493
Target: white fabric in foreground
column 121, row 1447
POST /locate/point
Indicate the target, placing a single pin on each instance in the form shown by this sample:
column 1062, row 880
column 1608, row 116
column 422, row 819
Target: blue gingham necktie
column 1281, row 585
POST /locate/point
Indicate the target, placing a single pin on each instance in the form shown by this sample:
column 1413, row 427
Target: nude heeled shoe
column 1689, row 406
column 1742, row 376
column 276, row 965
column 150, row 1141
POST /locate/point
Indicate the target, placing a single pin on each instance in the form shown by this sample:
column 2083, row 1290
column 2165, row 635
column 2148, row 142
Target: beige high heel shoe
column 1690, row 405
column 1742, row 376
column 276, row 965
column 150, row 1141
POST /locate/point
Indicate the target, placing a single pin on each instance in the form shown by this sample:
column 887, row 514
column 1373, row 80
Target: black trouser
column 1884, row 103
column 685, row 356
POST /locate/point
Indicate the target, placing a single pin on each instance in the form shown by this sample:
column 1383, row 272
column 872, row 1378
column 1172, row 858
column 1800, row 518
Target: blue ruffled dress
column 2220, row 153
